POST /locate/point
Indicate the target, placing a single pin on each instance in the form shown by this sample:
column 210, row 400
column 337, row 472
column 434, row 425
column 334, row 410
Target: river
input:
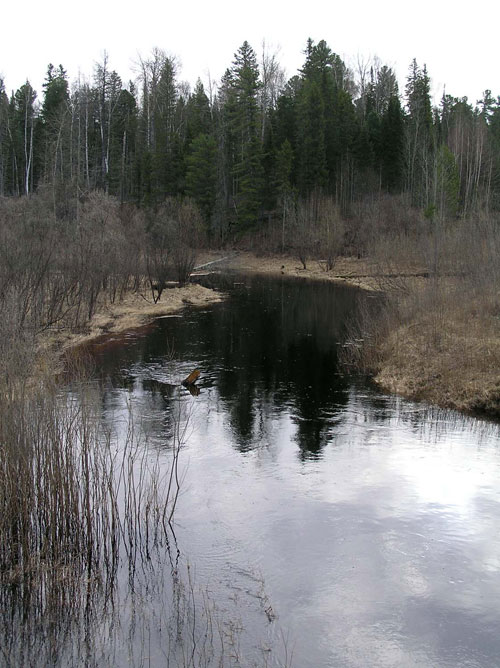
column 321, row 522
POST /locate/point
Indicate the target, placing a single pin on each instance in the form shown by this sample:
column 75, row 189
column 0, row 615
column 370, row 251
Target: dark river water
column 333, row 525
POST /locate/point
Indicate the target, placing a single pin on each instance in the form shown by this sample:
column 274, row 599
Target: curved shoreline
column 358, row 273
column 131, row 312
column 447, row 378
column 459, row 372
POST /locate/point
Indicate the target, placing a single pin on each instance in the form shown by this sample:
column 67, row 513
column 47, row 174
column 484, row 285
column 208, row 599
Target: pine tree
column 244, row 137
column 392, row 144
column 201, row 174
column 420, row 136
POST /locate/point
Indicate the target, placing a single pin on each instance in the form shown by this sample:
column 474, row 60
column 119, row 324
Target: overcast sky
column 459, row 45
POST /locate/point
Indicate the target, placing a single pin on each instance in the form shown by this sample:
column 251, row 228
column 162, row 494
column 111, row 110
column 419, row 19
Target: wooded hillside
column 255, row 148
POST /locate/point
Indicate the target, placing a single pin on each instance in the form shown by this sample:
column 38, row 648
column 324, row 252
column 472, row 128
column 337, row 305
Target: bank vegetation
column 78, row 502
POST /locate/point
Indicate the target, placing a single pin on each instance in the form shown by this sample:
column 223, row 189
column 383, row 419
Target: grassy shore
column 130, row 312
column 439, row 343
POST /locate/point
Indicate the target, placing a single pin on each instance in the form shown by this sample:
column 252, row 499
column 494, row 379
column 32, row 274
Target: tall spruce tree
column 4, row 140
column 392, row 145
column 54, row 134
column 326, row 124
column 420, row 136
column 312, row 170
column 201, row 174
column 244, row 126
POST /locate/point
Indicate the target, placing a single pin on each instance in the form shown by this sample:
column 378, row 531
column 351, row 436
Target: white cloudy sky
column 458, row 42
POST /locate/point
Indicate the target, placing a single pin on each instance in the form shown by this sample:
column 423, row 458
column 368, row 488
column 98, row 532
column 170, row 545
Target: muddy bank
column 133, row 311
column 359, row 272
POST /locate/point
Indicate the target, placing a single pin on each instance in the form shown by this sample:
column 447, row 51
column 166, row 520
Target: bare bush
column 59, row 270
column 330, row 232
column 184, row 227
column 175, row 237
column 303, row 224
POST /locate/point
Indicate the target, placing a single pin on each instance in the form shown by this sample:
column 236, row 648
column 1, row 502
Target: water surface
column 348, row 527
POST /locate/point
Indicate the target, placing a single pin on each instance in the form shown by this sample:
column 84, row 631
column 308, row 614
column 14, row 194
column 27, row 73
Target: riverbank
column 433, row 341
column 361, row 273
column 132, row 311
column 441, row 344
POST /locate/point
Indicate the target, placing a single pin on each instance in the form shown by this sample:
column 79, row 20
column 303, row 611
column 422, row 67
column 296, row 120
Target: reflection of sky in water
column 372, row 523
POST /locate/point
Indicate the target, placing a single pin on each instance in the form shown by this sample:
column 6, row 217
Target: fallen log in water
column 192, row 378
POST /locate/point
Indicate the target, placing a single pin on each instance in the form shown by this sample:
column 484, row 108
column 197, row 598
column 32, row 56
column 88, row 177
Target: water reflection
column 370, row 524
column 271, row 345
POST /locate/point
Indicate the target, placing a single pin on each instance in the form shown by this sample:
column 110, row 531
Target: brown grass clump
column 437, row 337
column 443, row 347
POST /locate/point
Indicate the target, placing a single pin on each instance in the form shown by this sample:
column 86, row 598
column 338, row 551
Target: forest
column 255, row 149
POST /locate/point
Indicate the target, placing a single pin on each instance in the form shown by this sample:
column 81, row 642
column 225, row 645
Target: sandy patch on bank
column 359, row 272
column 133, row 311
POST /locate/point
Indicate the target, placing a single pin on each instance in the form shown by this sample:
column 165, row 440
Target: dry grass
column 437, row 338
column 133, row 310
column 362, row 273
column 442, row 344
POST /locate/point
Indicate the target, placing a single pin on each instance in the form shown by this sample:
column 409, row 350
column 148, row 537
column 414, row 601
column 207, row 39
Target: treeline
column 255, row 147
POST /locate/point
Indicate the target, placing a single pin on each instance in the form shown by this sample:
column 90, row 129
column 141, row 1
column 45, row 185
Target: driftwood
column 192, row 378
column 208, row 264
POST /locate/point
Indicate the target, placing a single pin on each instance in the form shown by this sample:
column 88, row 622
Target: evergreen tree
column 123, row 131
column 283, row 184
column 420, row 136
column 156, row 128
column 392, row 144
column 164, row 128
column 54, row 129
column 4, row 140
column 22, row 121
column 56, row 94
column 494, row 140
column 385, row 87
column 326, row 125
column 244, row 143
column 312, row 170
column 201, row 174
column 199, row 114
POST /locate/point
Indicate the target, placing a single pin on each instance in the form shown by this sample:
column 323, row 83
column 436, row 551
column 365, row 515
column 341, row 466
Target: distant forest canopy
column 254, row 145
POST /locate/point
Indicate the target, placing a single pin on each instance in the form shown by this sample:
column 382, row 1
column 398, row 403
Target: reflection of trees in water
column 272, row 344
column 318, row 395
column 277, row 345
